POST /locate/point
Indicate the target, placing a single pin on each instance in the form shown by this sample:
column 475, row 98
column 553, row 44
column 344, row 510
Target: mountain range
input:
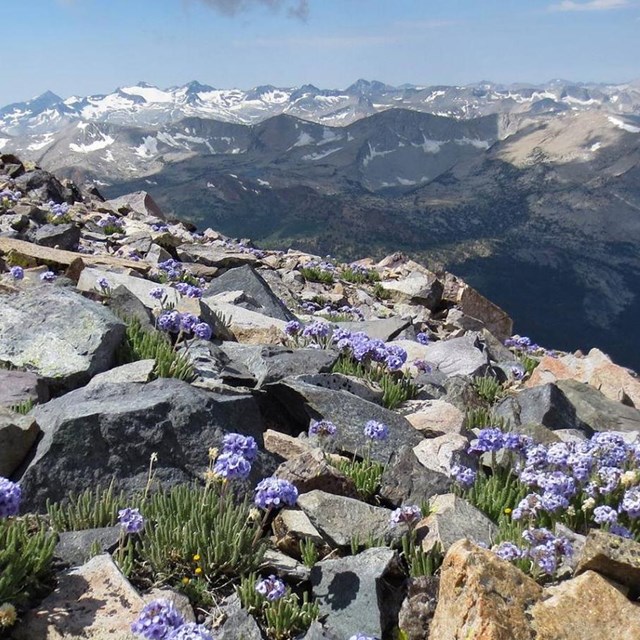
column 531, row 193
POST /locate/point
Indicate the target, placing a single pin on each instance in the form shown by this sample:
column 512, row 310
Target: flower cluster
column 159, row 227
column 111, row 223
column 322, row 428
column 272, row 588
column 422, row 338
column 188, row 290
column 293, row 328
column 422, row 366
column 7, row 196
column 104, row 284
column 131, row 520
column 235, row 459
column 408, row 514
column 158, row 293
column 10, row 496
column 275, row 492
column 58, row 211
column 186, row 323
column 376, row 430
column 544, row 549
column 172, row 269
column 48, row 276
column 8, row 615
column 160, row 620
column 190, row 631
column 464, row 476
column 362, row 636
column 366, row 350
column 17, row 273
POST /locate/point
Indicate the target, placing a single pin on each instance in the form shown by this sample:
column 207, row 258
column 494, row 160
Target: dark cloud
column 295, row 8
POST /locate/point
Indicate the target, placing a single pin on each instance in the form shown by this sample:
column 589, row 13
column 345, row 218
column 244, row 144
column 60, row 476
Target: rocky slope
column 396, row 365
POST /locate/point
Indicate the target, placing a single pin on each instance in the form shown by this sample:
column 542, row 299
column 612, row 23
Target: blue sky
column 93, row 46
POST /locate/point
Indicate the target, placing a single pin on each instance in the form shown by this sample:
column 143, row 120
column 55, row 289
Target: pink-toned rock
column 437, row 417
column 586, row 608
column 595, row 369
column 482, row 597
column 286, row 446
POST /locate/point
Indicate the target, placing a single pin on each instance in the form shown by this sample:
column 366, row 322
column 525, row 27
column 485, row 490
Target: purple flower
column 408, row 514
column 188, row 322
column 527, row 507
column 48, row 276
column 157, row 293
column 203, row 331
column 422, row 338
column 619, row 530
column 508, row 551
column 516, row 442
column 292, row 328
column 17, row 273
column 157, row 619
column 232, row 466
column 422, row 366
column 245, row 446
column 10, row 496
column 605, row 515
column 322, row 428
column 275, row 492
column 103, row 283
column 363, row 636
column 393, row 363
column 464, row 476
column 490, row 439
column 194, row 292
column 317, row 329
column 631, row 502
column 376, row 430
column 517, row 372
column 131, row 520
column 190, row 631
column 169, row 321
column 271, row 588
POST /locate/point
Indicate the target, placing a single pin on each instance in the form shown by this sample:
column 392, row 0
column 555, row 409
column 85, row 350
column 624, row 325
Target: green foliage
column 481, row 418
column 26, row 550
column 419, row 562
column 282, row 619
column 91, row 509
column 396, row 387
column 204, row 521
column 315, row 274
column 528, row 363
column 357, row 545
column 141, row 344
column 308, row 553
column 356, row 277
column 380, row 292
column 56, row 220
column 111, row 229
column 23, row 407
column 489, row 389
column 365, row 474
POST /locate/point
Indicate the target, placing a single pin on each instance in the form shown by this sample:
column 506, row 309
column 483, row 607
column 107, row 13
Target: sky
column 84, row 47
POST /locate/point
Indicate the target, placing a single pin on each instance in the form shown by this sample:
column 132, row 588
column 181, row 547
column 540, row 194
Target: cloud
column 298, row 9
column 590, row 5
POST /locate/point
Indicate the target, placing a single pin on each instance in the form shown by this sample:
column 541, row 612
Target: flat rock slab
column 441, row 454
column 360, row 593
column 91, row 601
column 437, row 417
column 348, row 412
column 95, row 434
column 214, row 256
column 20, row 386
column 18, row 434
column 587, row 607
column 75, row 547
column 59, row 335
column 383, row 329
column 482, row 597
column 138, row 371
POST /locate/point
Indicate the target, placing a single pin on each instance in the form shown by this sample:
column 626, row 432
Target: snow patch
column 320, row 155
column 148, row 148
column 47, row 139
column 109, row 156
column 94, row 146
column 478, row 144
column 621, row 124
column 150, row 94
column 373, row 153
column 595, row 146
column 3, row 142
column 264, row 183
column 303, row 140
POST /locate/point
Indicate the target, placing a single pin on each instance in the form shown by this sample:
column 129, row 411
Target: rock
column 214, row 256
column 482, row 597
column 420, row 287
column 63, row 337
column 60, row 259
column 140, row 202
column 419, row 607
column 318, row 632
column 41, row 185
column 613, row 557
column 271, row 363
column 292, row 526
column 596, row 369
column 437, row 417
column 139, row 371
column 75, row 547
column 596, row 410
column 349, row 413
column 98, row 433
column 545, row 405
column 126, row 305
column 240, row 625
column 441, row 454
column 340, row 520
column 340, row 382
column 285, row 446
column 91, row 601
column 464, row 356
column 61, row 236
column 360, row 593
column 406, row 481
column 587, row 607
column 385, row 329
column 259, row 296
column 456, row 319
column 472, row 304
column 21, row 386
column 451, row 519
column 17, row 435
column 310, row 470
column 285, row 566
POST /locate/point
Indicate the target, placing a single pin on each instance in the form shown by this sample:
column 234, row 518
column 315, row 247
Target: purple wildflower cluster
column 110, row 222
column 272, row 588
column 408, row 514
column 10, row 496
column 275, row 492
column 158, row 293
column 368, row 351
column 362, row 636
column 332, row 310
column 48, row 276
column 422, row 366
column 464, row 476
column 322, row 428
column 186, row 323
column 293, row 328
column 172, row 269
column 243, row 247
column 422, row 338
column 9, row 196
column 159, row 227
column 237, row 455
column 543, row 548
column 376, row 430
column 103, row 283
column 188, row 290
column 58, row 211
column 131, row 520
column 160, row 620
column 324, row 266
column 17, row 273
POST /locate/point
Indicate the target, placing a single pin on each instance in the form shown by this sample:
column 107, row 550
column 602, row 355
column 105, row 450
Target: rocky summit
column 202, row 439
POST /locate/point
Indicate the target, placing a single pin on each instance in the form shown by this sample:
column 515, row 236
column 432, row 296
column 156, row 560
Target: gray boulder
column 214, row 256
column 21, row 386
column 360, row 593
column 17, row 435
column 109, row 431
column 75, row 547
column 384, row 329
column 62, row 236
column 465, row 356
column 58, row 334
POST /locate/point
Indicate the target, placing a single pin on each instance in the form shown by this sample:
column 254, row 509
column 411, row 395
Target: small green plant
column 308, row 552
column 420, row 562
column 26, row 551
column 23, row 407
column 359, row 276
column 482, row 417
column 528, row 363
column 316, row 274
column 489, row 389
column 380, row 292
column 357, row 545
column 366, row 475
column 141, row 344
column 281, row 619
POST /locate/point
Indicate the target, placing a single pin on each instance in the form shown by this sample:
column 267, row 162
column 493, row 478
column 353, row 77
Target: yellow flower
column 8, row 615
column 186, row 581
column 196, row 558
column 213, row 453
column 198, row 571
column 507, row 510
